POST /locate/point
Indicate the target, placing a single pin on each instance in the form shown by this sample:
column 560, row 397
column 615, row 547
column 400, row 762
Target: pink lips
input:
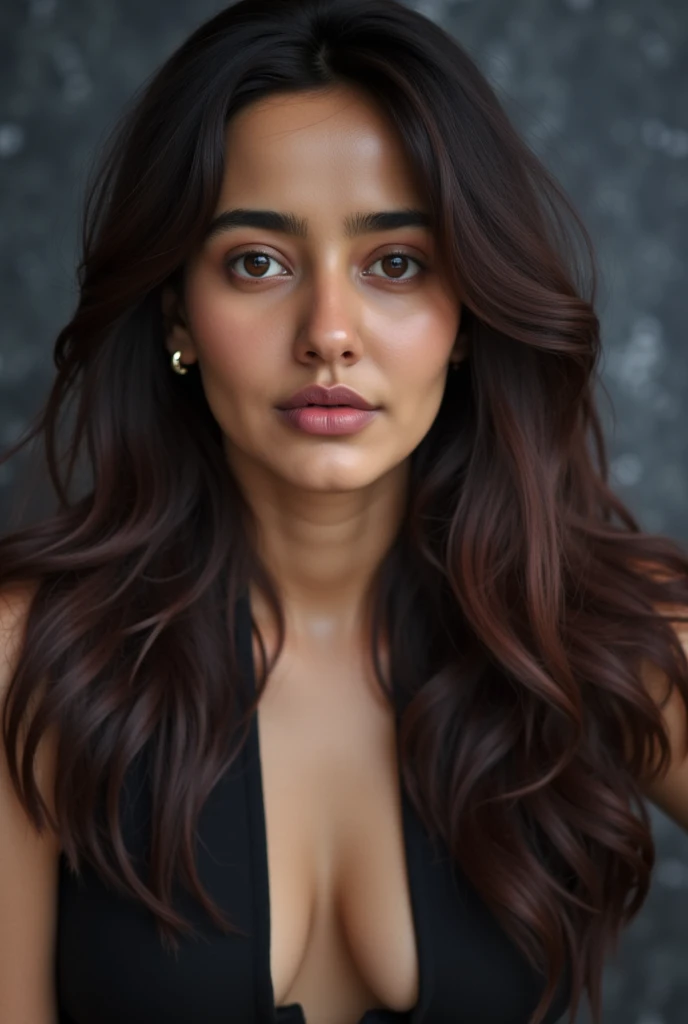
column 318, row 419
column 315, row 394
column 337, row 410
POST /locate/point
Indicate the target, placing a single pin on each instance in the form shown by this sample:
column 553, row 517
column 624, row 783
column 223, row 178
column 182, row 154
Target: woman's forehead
column 313, row 149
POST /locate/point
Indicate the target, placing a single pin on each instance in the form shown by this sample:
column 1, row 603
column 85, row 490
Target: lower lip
column 318, row 419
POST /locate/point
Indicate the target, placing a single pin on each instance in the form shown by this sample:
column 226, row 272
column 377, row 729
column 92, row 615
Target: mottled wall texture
column 599, row 88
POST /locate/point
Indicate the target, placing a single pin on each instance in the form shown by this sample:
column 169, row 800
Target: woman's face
column 267, row 312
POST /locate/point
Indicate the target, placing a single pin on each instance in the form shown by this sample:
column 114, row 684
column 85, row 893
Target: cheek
column 417, row 354
column 225, row 336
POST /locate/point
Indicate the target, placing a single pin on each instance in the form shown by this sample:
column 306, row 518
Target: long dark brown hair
column 521, row 599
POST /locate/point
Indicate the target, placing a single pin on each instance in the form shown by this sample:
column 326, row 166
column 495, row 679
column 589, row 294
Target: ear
column 460, row 350
column 178, row 337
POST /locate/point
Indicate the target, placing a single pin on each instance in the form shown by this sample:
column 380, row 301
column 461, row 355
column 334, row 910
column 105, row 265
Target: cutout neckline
column 293, row 1013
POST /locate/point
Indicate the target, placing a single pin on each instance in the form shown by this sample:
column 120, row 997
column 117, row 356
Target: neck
column 322, row 551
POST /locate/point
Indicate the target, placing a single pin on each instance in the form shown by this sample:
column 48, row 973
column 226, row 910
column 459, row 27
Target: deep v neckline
column 293, row 1013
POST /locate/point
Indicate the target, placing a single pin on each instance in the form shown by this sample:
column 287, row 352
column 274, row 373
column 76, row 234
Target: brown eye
column 396, row 264
column 255, row 263
column 258, row 262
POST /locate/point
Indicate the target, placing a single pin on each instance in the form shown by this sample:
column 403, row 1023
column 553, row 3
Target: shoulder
column 15, row 605
column 29, row 877
column 669, row 791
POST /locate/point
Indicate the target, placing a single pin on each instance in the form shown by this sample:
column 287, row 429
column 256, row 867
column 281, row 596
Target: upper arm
column 28, row 861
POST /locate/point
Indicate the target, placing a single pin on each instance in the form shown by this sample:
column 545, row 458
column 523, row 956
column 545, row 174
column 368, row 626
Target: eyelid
column 252, row 251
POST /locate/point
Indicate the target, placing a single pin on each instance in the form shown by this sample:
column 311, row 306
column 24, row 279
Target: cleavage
column 342, row 929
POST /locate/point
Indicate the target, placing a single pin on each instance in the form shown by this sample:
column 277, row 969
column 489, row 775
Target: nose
column 329, row 328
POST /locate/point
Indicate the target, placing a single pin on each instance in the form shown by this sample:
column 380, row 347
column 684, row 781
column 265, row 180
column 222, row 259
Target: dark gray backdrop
column 600, row 90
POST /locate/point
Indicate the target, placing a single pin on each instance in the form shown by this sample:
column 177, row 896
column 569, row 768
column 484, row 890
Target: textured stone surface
column 600, row 91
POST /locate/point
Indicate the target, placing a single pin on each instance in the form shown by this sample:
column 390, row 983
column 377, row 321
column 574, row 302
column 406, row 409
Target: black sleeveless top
column 110, row 967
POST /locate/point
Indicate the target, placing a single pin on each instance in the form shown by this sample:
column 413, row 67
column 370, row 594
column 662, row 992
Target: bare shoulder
column 28, row 861
column 15, row 604
column 15, row 601
column 669, row 791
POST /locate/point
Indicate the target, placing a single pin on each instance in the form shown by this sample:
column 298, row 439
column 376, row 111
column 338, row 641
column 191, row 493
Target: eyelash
column 259, row 252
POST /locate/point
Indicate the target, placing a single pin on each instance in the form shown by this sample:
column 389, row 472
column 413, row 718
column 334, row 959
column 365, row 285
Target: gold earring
column 177, row 365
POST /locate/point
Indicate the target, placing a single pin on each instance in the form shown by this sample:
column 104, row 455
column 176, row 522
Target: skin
column 326, row 309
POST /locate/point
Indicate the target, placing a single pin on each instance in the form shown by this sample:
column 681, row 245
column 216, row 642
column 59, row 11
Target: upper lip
column 315, row 394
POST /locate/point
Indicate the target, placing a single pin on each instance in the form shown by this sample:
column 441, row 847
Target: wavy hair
column 521, row 598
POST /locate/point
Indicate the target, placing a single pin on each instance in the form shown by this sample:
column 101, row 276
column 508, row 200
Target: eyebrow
column 290, row 224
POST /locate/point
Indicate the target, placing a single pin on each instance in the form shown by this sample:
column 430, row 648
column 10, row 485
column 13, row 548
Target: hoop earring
column 177, row 365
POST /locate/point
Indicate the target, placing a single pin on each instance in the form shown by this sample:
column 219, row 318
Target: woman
column 457, row 638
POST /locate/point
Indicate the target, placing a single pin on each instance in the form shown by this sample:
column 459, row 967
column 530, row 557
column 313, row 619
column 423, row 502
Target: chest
column 342, row 937
column 307, row 845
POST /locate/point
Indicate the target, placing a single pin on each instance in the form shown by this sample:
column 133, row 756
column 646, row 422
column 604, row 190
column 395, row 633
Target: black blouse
column 111, row 968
